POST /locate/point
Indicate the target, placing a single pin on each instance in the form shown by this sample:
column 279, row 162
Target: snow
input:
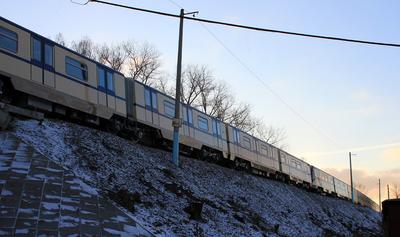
column 235, row 203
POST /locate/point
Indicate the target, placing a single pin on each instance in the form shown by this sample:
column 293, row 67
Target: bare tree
column 270, row 134
column 143, row 62
column 395, row 190
column 197, row 84
column 239, row 116
column 113, row 56
column 220, row 102
column 163, row 86
column 59, row 38
column 85, row 46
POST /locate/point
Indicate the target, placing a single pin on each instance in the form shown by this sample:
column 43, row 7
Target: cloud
column 395, row 152
column 370, row 180
column 392, row 154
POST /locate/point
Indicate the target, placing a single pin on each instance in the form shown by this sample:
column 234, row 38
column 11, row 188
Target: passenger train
column 39, row 74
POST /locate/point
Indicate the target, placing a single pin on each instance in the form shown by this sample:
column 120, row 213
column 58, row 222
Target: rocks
column 194, row 209
column 125, row 198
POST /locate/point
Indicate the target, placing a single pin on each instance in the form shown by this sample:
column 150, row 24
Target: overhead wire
column 257, row 77
column 202, row 21
column 252, row 27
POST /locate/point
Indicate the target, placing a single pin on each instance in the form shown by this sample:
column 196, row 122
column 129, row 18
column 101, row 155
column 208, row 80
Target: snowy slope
column 235, row 203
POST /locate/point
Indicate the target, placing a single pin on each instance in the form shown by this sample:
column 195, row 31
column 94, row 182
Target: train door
column 151, row 103
column 217, row 134
column 185, row 125
column 42, row 67
column 257, row 151
column 190, row 122
column 130, row 97
column 106, row 87
column 236, row 140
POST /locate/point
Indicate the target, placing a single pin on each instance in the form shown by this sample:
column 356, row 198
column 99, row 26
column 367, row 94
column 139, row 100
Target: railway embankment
column 167, row 199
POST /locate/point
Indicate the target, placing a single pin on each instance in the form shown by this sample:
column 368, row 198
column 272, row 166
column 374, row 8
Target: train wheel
column 248, row 167
column 237, row 164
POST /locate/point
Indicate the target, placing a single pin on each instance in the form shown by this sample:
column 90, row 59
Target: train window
column 110, row 82
column 214, row 125
column 36, row 50
column 184, row 113
column 246, row 142
column 202, row 123
column 169, row 109
column 264, row 150
column 75, row 68
column 8, row 40
column 48, row 55
column 154, row 101
column 190, row 116
column 101, row 77
column 235, row 135
column 147, row 97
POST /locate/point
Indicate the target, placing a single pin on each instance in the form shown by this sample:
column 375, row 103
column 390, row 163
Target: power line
column 243, row 64
column 324, row 37
column 255, row 75
column 266, row 86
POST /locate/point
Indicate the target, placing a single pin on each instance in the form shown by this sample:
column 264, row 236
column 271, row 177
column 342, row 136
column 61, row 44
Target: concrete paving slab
column 40, row 198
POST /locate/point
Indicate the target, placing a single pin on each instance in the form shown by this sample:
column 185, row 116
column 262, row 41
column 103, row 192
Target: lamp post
column 351, row 178
column 380, row 203
column 177, row 122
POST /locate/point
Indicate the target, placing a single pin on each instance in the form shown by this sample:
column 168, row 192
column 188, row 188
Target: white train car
column 342, row 189
column 252, row 153
column 155, row 109
column 296, row 170
column 322, row 180
column 57, row 79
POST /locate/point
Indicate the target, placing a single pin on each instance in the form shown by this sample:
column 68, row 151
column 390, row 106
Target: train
column 39, row 74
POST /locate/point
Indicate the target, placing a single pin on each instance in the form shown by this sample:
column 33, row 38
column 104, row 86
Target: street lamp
column 177, row 122
column 351, row 177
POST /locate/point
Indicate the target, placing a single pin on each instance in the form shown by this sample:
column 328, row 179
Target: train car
column 199, row 131
column 342, row 189
column 322, row 181
column 252, row 153
column 295, row 170
column 364, row 200
column 53, row 78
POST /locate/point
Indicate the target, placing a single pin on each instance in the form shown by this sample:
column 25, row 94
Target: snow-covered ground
column 235, row 203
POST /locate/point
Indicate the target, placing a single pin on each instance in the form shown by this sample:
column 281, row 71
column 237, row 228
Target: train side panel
column 322, row 180
column 16, row 63
column 38, row 67
column 198, row 129
column 298, row 170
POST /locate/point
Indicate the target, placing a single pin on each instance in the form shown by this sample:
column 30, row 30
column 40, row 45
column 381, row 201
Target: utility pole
column 388, row 191
column 380, row 203
column 351, row 180
column 177, row 122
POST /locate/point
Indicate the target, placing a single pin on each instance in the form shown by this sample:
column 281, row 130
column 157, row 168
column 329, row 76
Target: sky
column 346, row 94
